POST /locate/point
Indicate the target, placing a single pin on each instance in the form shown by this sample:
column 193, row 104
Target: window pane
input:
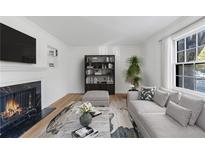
column 189, row 83
column 201, row 53
column 180, row 56
column 180, row 45
column 178, row 81
column 200, row 70
column 191, row 42
column 200, row 74
column 200, row 84
column 201, row 38
column 179, row 69
column 191, row 55
column 189, row 70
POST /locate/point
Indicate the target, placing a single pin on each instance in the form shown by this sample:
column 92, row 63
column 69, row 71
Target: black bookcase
column 100, row 73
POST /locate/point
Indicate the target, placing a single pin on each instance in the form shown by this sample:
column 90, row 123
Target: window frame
column 197, row 61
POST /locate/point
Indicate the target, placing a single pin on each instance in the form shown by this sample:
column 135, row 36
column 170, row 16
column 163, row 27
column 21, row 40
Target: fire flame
column 12, row 107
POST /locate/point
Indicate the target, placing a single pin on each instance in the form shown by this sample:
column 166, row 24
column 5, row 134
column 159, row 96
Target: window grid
column 194, row 62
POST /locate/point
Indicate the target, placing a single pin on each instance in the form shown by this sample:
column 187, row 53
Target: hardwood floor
column 59, row 105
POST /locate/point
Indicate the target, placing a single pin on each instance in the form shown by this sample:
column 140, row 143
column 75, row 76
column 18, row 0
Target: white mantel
column 21, row 68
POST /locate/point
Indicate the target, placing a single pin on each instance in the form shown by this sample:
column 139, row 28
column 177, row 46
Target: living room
column 102, row 76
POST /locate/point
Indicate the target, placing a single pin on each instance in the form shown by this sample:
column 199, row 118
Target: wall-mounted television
column 16, row 46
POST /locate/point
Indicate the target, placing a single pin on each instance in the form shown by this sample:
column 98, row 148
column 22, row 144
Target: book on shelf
column 85, row 132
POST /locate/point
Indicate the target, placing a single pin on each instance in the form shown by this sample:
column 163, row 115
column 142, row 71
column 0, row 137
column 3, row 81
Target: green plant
column 132, row 74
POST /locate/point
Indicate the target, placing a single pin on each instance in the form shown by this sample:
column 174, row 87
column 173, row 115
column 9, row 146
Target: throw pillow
column 147, row 93
column 173, row 95
column 201, row 120
column 181, row 114
column 193, row 103
column 160, row 97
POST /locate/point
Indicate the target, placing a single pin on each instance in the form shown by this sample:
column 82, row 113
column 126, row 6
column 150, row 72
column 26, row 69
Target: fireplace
column 18, row 104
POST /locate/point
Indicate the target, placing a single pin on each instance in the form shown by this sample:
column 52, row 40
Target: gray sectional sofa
column 154, row 120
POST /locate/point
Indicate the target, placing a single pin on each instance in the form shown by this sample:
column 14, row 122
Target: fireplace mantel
column 21, row 68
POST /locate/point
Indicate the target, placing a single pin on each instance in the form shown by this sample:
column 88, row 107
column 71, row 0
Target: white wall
column 55, row 82
column 154, row 71
column 122, row 53
column 68, row 76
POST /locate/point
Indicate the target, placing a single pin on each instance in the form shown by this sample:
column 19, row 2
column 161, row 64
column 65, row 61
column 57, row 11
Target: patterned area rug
column 120, row 123
column 122, row 132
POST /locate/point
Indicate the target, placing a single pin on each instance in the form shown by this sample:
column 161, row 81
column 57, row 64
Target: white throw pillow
column 193, row 103
column 160, row 97
column 181, row 114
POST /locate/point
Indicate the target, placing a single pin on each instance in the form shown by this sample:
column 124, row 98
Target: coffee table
column 68, row 121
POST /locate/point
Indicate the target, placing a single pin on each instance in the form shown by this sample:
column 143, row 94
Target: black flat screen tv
column 16, row 46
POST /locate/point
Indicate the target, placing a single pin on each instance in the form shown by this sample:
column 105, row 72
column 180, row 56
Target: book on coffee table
column 85, row 132
column 95, row 113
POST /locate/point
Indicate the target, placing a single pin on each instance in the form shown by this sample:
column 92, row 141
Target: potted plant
column 132, row 74
column 85, row 109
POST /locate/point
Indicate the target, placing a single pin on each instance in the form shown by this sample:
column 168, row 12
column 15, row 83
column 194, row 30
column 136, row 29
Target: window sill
column 190, row 92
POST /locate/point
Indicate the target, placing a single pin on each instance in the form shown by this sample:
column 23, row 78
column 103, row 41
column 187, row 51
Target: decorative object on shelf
column 132, row 74
column 107, row 59
column 52, row 56
column 85, row 109
column 110, row 66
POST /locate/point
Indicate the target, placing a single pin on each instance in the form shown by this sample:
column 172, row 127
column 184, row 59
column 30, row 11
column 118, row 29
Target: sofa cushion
column 160, row 97
column 201, row 120
column 147, row 93
column 142, row 106
column 173, row 95
column 132, row 95
column 179, row 113
column 193, row 103
column 160, row 125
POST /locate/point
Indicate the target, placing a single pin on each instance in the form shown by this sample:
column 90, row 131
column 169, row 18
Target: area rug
column 120, row 124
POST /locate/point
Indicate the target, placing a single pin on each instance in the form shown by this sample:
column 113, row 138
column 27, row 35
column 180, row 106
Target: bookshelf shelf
column 100, row 73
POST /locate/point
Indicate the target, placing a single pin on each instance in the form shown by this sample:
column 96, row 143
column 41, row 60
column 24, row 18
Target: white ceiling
column 88, row 31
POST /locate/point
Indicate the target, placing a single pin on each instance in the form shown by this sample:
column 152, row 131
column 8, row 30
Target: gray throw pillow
column 147, row 93
column 193, row 103
column 160, row 97
column 181, row 114
column 201, row 120
column 173, row 95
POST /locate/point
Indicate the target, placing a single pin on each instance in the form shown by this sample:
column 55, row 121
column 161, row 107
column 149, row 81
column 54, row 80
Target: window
column 190, row 62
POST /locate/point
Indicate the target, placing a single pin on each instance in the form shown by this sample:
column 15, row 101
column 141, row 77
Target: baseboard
column 121, row 94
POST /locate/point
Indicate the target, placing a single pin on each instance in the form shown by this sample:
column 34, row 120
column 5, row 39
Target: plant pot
column 85, row 119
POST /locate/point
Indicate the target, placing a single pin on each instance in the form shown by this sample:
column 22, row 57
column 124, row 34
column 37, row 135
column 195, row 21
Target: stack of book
column 85, row 132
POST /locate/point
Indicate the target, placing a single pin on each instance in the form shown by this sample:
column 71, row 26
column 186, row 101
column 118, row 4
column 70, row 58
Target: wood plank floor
column 59, row 105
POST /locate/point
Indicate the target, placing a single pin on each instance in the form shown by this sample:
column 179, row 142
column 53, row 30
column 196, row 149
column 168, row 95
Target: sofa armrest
column 132, row 95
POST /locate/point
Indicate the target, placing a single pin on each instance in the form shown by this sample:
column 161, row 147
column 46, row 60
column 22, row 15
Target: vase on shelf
column 85, row 119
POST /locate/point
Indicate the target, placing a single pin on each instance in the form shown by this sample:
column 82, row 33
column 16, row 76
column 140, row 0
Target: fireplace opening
column 19, row 103
column 20, row 108
column 12, row 108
